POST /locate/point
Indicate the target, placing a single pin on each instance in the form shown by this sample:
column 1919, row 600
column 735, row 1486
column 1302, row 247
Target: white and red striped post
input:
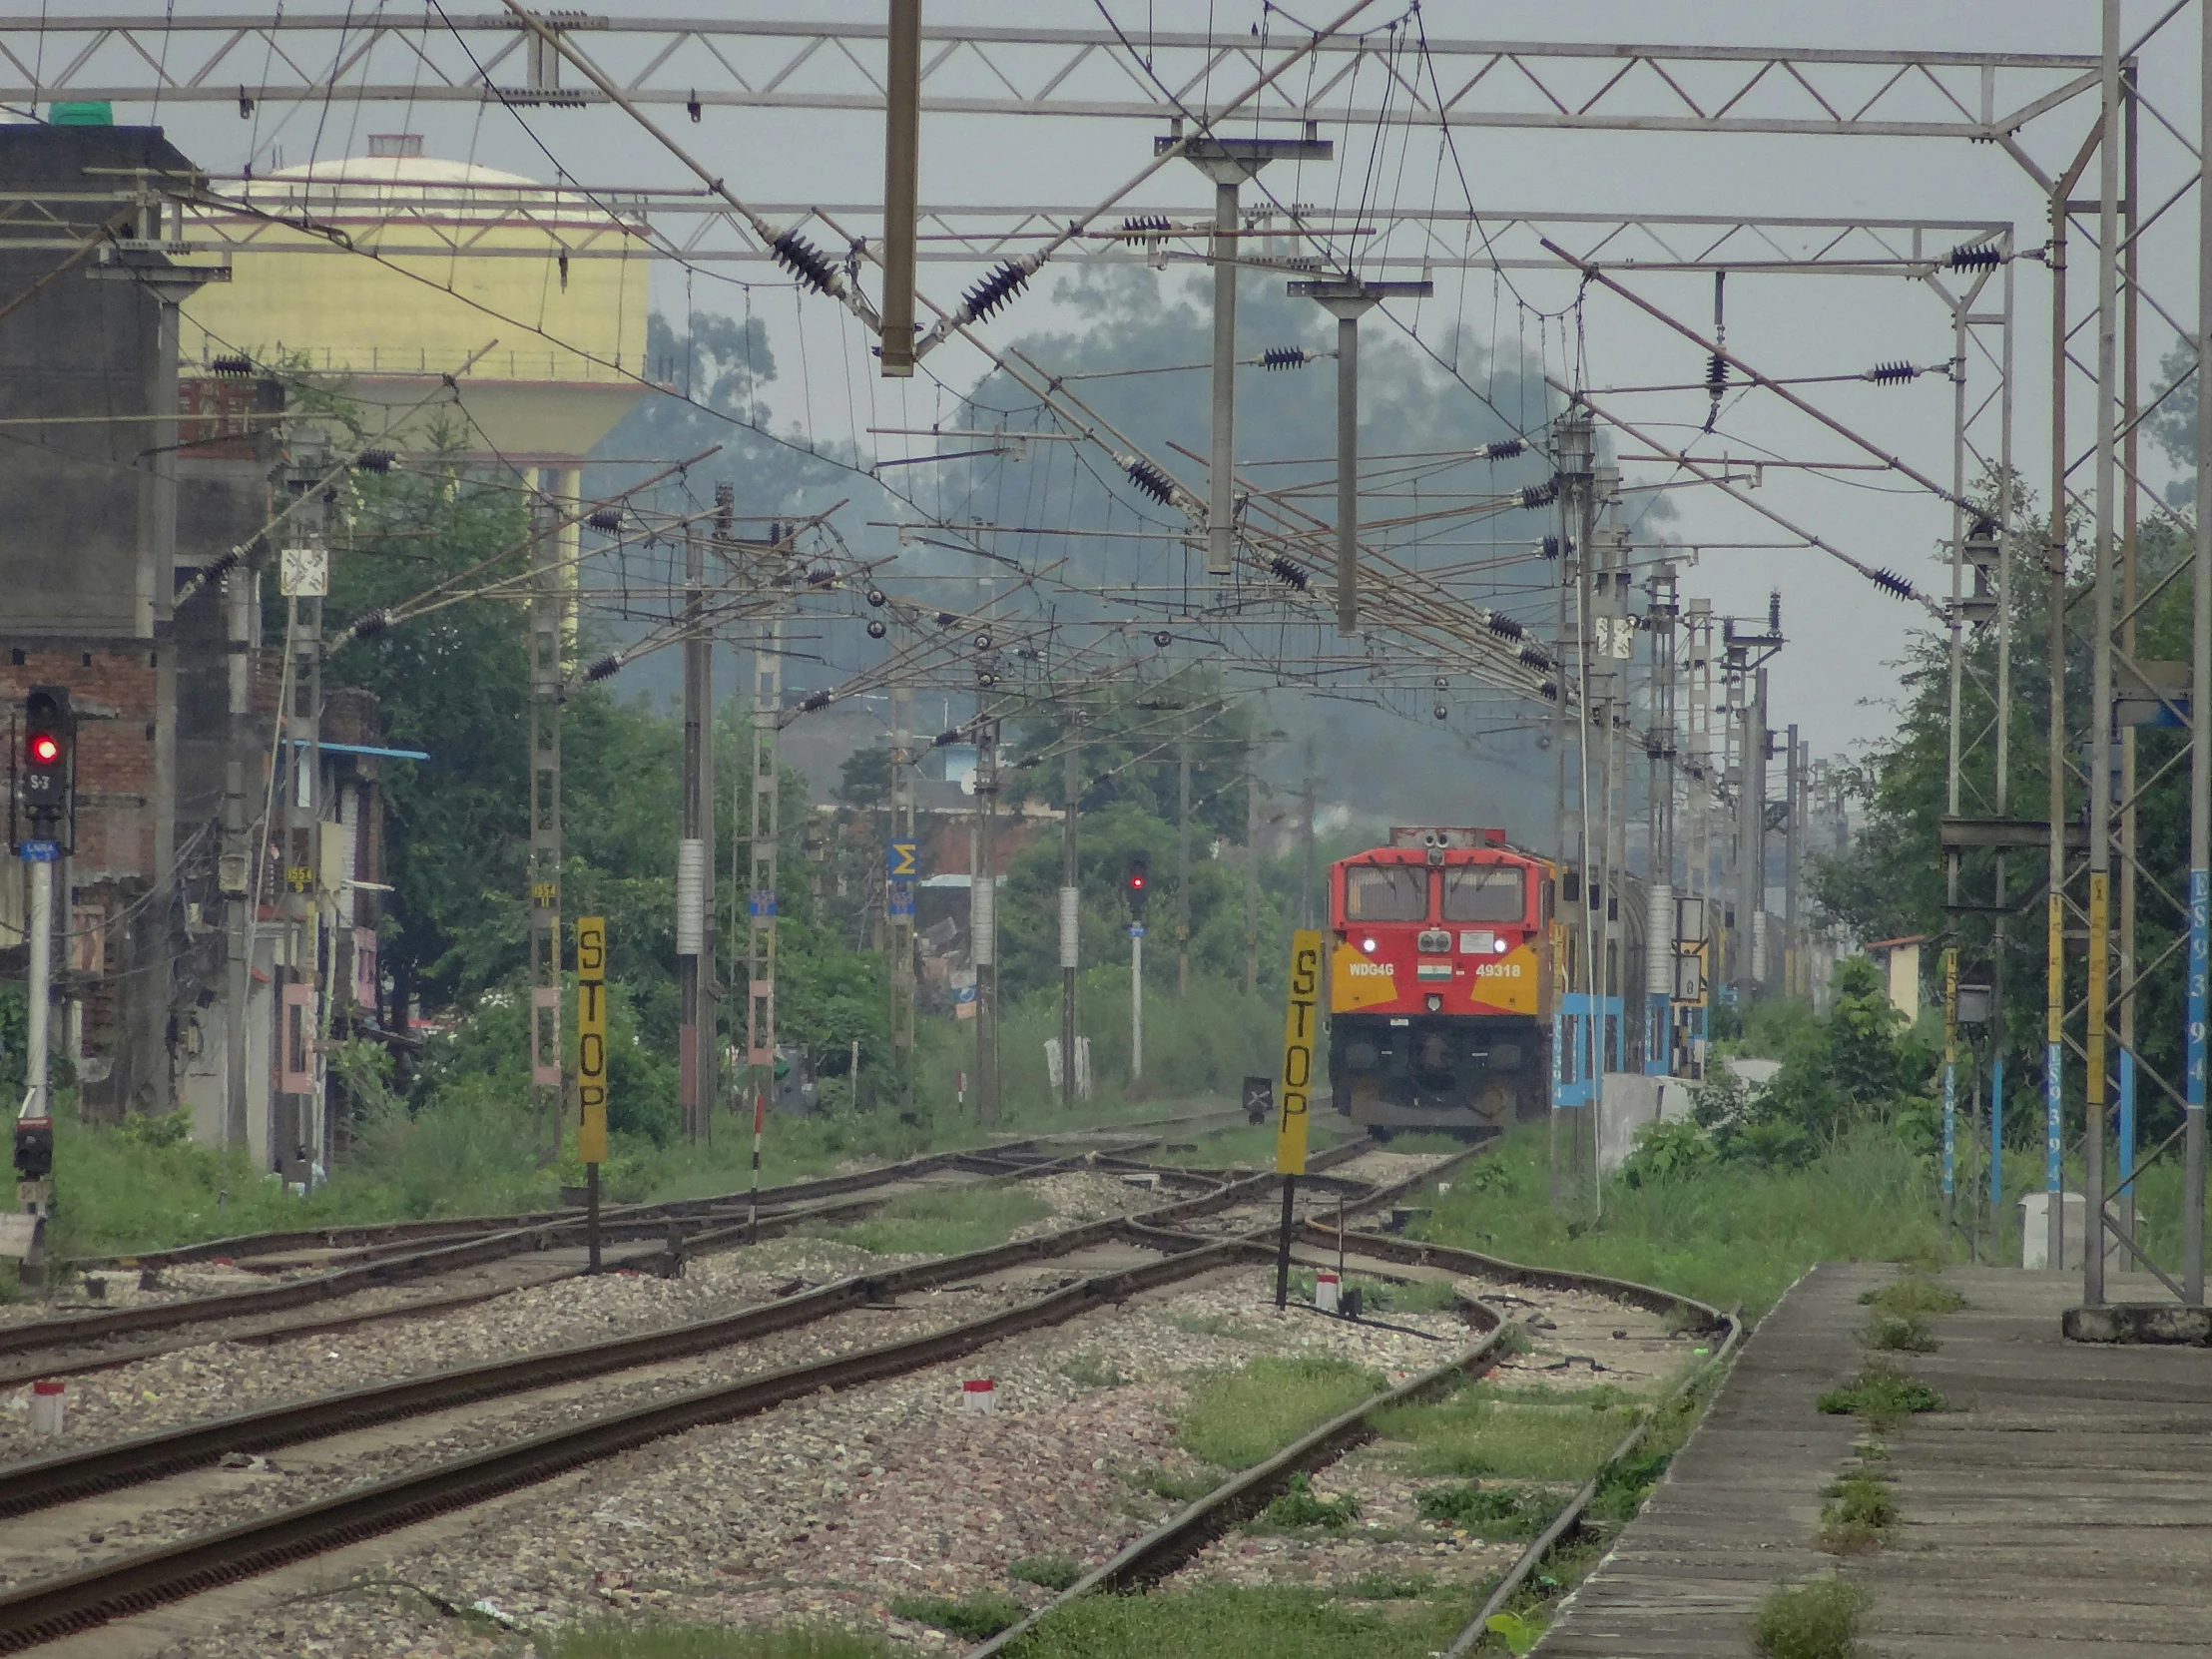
column 979, row 1394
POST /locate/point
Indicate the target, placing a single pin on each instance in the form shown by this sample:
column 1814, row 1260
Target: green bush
column 1666, row 1152
column 1901, row 1333
column 1301, row 1505
column 1498, row 1513
column 1857, row 1515
column 1818, row 1620
column 1882, row 1395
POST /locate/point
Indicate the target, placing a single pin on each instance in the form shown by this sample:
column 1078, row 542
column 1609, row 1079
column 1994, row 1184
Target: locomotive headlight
column 1367, row 945
column 1499, row 945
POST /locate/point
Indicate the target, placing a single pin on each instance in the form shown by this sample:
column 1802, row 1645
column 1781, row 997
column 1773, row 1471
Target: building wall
column 77, row 494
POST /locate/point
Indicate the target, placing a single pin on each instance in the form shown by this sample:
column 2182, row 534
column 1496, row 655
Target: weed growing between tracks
column 971, row 1618
column 949, row 1223
column 1857, row 1515
column 620, row 1639
column 1725, row 1232
column 1238, row 1417
column 1524, row 1433
column 1220, row 1622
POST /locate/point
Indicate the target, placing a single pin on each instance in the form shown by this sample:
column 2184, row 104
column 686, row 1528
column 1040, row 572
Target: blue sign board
column 1136, row 930
column 899, row 859
column 41, row 852
column 762, row 902
column 901, row 900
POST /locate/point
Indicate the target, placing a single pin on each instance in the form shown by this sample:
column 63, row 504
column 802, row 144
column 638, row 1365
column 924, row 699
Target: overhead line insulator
column 995, row 290
column 1980, row 257
column 803, row 260
column 1504, row 449
column 1287, row 572
column 1890, row 581
column 1540, row 495
column 1890, row 374
column 1151, row 481
column 1284, row 356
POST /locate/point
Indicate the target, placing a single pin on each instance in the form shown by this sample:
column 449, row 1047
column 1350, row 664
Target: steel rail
column 771, row 1223
column 41, row 1483
column 563, row 1228
column 51, row 1608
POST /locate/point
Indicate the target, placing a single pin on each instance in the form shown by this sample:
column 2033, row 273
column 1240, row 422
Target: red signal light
column 1136, row 880
column 46, row 749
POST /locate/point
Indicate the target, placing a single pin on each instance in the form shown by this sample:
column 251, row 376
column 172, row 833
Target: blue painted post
column 2200, row 937
column 1951, row 1133
column 1996, row 1141
column 2124, row 1188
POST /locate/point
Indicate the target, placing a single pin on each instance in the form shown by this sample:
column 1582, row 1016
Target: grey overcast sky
column 1833, row 678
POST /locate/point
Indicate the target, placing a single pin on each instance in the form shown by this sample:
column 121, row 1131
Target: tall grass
column 1728, row 1233
column 1239, row 1418
column 1221, row 1622
column 949, row 1223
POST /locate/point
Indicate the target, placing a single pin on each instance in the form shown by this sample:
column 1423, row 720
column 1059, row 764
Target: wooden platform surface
column 2062, row 1505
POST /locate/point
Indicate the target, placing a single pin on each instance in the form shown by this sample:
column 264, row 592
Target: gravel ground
column 217, row 1379
column 281, row 1481
column 181, row 1284
column 830, row 1507
column 222, row 1379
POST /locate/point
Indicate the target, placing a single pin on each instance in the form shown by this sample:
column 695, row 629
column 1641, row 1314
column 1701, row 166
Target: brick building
column 117, row 512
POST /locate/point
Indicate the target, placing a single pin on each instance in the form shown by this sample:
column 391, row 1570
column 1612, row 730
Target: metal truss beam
column 701, row 63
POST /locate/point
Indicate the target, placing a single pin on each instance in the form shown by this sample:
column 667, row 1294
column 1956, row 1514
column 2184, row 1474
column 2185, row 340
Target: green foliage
column 1914, row 1296
column 1426, row 1296
column 654, row 1639
column 1816, row 1621
column 1385, row 1586
column 1053, row 1572
column 1176, row 1489
column 971, row 1618
column 1301, row 1505
column 1225, row 1622
column 1882, row 1395
column 1496, row 1513
column 949, row 1223
column 1857, row 1515
column 1528, row 1434
column 1901, row 1334
column 1672, row 1151
column 1235, row 1418
column 1739, row 1231
column 1089, row 1371
column 1518, row 1631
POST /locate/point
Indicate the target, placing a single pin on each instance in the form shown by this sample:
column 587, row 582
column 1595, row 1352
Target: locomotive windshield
column 1385, row 892
column 1486, row 892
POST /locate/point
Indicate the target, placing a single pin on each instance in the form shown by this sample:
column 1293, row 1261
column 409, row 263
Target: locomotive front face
column 1439, row 987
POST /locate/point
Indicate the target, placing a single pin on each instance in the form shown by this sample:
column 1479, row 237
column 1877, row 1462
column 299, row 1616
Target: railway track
column 76, row 1344
column 1154, row 1556
column 41, row 1611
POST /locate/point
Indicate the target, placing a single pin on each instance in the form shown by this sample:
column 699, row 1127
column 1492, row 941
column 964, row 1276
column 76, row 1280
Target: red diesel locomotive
column 1441, row 983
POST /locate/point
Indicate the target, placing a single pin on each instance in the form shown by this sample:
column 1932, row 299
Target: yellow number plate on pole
column 591, row 1038
column 1301, row 1029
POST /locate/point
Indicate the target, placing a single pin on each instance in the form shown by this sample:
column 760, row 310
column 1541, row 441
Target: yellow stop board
column 1301, row 1029
column 591, row 1038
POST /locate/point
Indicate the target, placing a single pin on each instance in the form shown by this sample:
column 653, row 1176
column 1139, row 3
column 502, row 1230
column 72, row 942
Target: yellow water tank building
column 448, row 259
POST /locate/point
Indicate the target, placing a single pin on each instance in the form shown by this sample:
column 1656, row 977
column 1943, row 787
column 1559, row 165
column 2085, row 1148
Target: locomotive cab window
column 1486, row 892
column 1385, row 892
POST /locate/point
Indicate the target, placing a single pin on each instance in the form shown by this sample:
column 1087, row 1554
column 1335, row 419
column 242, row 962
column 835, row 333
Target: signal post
column 1136, row 887
column 46, row 792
